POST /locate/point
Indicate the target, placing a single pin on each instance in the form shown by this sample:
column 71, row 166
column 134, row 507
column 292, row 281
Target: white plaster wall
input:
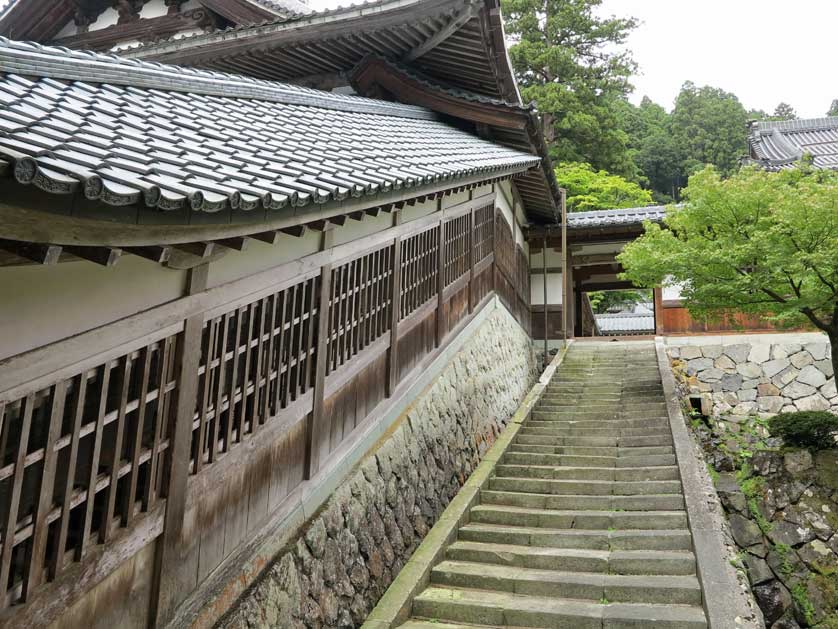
column 554, row 288
column 43, row 304
column 412, row 212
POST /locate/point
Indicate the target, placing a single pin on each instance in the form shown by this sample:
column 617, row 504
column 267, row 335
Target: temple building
column 233, row 253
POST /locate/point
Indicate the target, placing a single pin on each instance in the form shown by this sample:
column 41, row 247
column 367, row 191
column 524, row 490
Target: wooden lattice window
column 359, row 305
column 420, row 261
column 484, row 232
column 79, row 459
column 256, row 360
column 456, row 263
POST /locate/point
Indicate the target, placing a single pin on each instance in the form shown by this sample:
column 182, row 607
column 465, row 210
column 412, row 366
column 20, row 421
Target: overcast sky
column 764, row 51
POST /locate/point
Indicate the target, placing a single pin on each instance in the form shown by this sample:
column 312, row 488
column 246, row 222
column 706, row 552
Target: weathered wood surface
column 225, row 401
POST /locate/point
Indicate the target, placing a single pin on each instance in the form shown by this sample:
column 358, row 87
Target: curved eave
column 31, row 214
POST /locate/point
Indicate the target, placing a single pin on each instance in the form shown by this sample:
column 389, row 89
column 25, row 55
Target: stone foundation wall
column 343, row 560
column 757, row 374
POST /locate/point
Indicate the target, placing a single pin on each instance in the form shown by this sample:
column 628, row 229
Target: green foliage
column 758, row 242
column 589, row 189
column 709, row 126
column 753, row 487
column 571, row 63
column 784, row 111
column 801, row 601
column 833, row 110
column 605, row 300
column 806, row 429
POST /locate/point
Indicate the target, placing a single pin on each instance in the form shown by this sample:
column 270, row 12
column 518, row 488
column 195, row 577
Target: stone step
column 626, row 474
column 661, row 441
column 607, row 424
column 578, row 519
column 609, row 441
column 589, row 488
column 646, row 562
column 519, row 454
column 646, row 502
column 678, row 590
column 660, row 539
column 544, row 443
column 572, row 429
column 504, row 609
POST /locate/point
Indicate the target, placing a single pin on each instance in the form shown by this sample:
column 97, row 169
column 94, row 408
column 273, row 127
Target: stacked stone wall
column 759, row 376
column 343, row 560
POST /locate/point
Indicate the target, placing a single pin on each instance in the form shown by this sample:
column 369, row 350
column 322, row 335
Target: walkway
column 583, row 523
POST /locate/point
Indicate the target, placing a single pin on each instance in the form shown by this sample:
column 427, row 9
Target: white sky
column 764, row 51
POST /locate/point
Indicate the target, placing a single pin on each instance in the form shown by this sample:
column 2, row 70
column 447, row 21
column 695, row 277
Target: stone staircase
column 583, row 523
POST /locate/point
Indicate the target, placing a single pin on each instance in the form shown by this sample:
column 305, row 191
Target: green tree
column 590, row 189
column 709, row 126
column 833, row 110
column 604, row 300
column 758, row 242
column 571, row 63
column 784, row 111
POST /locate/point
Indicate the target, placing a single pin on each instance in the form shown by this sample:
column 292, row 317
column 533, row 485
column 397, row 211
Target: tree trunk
column 833, row 350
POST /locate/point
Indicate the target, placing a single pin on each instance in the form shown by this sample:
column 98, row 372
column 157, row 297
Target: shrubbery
column 806, row 429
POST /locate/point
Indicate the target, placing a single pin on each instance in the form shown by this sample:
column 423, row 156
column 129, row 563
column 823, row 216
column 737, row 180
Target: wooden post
column 395, row 311
column 544, row 278
column 440, row 282
column 317, row 442
column 168, row 554
column 565, row 270
column 471, row 263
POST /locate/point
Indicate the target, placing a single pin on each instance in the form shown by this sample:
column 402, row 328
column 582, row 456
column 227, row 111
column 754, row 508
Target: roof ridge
column 798, row 124
column 62, row 63
column 267, row 27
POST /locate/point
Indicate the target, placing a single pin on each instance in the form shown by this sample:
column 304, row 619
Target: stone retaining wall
column 343, row 560
column 747, row 375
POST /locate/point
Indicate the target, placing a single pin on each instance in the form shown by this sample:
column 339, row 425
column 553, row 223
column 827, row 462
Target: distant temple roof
column 624, row 323
column 616, row 218
column 776, row 145
column 124, row 131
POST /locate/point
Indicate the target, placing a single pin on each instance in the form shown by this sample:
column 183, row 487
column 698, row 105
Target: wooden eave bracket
column 376, row 73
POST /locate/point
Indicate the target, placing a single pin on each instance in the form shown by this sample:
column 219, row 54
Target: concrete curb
column 394, row 608
column 726, row 603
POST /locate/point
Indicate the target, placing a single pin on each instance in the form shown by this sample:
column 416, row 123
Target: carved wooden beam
column 40, row 253
column 239, row 243
column 457, row 22
column 155, row 254
column 198, row 249
column 139, row 29
column 106, row 256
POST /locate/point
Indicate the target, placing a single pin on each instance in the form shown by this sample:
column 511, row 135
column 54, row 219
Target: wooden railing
column 264, row 377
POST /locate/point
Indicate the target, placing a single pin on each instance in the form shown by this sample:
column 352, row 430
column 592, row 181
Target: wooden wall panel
column 84, row 448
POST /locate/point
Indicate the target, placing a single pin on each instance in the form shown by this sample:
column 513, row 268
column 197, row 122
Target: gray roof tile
column 777, row 145
column 616, row 218
column 170, row 135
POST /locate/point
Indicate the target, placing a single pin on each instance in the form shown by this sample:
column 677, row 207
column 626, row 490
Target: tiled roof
column 616, row 218
column 285, row 7
column 125, row 131
column 625, row 322
column 776, row 145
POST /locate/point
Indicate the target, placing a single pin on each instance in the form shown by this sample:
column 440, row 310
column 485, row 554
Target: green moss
column 714, row 475
column 802, row 602
column 783, row 550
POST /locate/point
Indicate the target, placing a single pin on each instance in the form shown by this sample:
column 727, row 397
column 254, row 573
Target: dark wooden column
column 166, row 591
column 471, row 262
column 440, row 282
column 395, row 311
column 317, row 432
